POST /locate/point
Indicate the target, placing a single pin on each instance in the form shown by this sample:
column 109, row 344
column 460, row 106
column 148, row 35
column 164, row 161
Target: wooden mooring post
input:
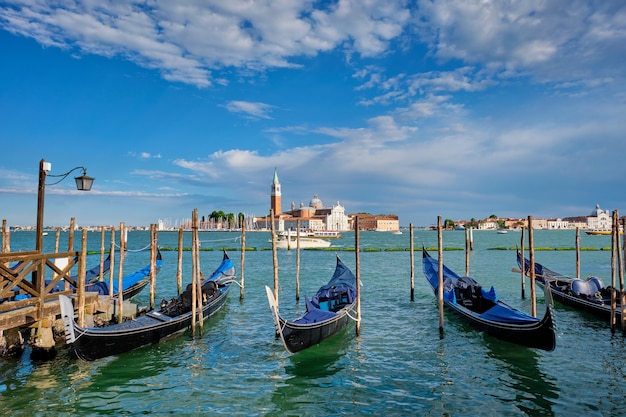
column 357, row 252
column 297, row 259
column 179, row 268
column 622, row 295
column 531, row 254
column 440, row 274
column 243, row 258
column 412, row 259
column 614, row 251
column 523, row 264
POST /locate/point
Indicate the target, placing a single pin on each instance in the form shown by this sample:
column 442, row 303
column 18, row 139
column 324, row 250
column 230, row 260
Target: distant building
column 379, row 223
column 275, row 195
column 599, row 219
column 312, row 217
column 557, row 224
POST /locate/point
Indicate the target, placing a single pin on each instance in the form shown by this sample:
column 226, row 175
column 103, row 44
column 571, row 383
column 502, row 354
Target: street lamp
column 83, row 183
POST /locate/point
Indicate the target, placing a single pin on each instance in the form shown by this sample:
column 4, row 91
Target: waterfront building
column 599, row 219
column 557, row 224
column 379, row 223
column 312, row 217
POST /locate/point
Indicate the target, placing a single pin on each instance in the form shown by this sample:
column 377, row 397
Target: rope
column 134, row 250
column 235, row 282
column 222, row 240
column 353, row 318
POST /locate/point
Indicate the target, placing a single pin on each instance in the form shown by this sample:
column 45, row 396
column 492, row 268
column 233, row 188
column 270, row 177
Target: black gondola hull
column 561, row 292
column 299, row 337
column 329, row 312
column 600, row 310
column 96, row 343
column 539, row 334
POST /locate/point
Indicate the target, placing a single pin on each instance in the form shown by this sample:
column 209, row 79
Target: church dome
column 315, row 202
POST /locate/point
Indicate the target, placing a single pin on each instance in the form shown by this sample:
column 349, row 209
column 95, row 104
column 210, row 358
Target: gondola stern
column 276, row 316
column 67, row 313
column 273, row 307
column 549, row 317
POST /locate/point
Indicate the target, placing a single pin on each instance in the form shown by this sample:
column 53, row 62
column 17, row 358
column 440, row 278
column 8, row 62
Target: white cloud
column 551, row 41
column 251, row 109
column 187, row 40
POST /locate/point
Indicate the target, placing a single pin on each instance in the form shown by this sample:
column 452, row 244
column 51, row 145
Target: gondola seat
column 589, row 287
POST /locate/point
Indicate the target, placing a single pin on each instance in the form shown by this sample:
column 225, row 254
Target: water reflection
column 309, row 369
column 535, row 391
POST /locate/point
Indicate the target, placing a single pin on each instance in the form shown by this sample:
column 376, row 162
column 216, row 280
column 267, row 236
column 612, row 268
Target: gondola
column 132, row 284
column 174, row 316
column 588, row 295
column 482, row 310
column 327, row 312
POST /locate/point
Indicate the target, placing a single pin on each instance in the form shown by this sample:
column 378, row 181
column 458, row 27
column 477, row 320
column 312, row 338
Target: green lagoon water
column 397, row 366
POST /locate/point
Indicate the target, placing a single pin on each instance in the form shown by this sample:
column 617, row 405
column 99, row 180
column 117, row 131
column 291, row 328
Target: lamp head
column 84, row 182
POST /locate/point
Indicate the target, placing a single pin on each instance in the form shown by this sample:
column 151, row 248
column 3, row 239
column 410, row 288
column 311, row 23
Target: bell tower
column 275, row 195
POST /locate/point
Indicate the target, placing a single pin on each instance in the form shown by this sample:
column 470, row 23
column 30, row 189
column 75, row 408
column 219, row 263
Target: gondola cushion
column 589, row 287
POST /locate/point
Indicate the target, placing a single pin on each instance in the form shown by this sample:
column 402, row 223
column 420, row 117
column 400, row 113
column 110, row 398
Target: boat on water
column 327, row 312
column 601, row 232
column 326, row 234
column 174, row 316
column 482, row 309
column 290, row 241
column 502, row 232
column 590, row 294
column 132, row 284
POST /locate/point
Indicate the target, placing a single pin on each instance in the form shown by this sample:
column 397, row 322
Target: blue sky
column 456, row 108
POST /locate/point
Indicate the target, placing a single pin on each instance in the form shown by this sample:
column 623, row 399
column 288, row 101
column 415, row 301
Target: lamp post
column 83, row 183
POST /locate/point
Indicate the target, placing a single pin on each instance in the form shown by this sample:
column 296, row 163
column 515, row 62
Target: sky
column 460, row 109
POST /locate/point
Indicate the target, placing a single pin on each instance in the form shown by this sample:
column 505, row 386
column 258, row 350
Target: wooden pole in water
column 112, row 266
column 613, row 256
column 298, row 261
column 274, row 256
column 152, row 265
column 58, row 238
column 577, row 252
column 179, row 268
column 523, row 265
column 120, row 275
column 440, row 274
column 5, row 237
column 70, row 245
column 243, row 255
column 357, row 254
column 193, row 275
column 412, row 257
column 467, row 260
column 199, row 296
column 80, row 284
column 620, row 270
column 531, row 251
column 70, row 235
column 471, row 237
column 101, row 276
column 622, row 295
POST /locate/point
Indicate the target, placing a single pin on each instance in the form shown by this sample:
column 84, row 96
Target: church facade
column 317, row 217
